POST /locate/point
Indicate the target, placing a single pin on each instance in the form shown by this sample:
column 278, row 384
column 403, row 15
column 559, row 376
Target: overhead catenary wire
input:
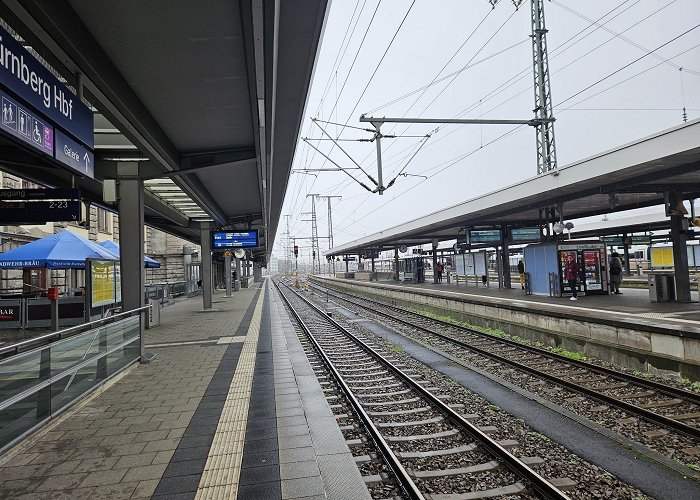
column 398, row 29
column 456, row 74
column 525, row 70
column 629, row 64
column 450, row 163
column 431, row 143
column 352, row 65
column 338, row 94
column 585, row 29
column 556, row 52
column 618, row 35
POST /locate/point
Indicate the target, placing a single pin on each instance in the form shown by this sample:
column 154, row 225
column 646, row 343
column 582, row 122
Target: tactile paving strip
column 223, row 466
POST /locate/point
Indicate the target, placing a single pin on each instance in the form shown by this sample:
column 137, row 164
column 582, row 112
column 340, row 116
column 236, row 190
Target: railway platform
column 634, row 301
column 230, row 407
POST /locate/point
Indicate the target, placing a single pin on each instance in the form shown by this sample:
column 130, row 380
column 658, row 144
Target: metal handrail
column 72, row 370
column 18, row 347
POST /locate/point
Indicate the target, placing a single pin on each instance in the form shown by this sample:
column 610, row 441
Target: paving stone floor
column 120, row 443
column 153, row 433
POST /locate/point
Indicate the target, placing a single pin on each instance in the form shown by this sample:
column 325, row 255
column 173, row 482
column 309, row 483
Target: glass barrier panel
column 46, row 380
column 18, row 418
column 23, row 372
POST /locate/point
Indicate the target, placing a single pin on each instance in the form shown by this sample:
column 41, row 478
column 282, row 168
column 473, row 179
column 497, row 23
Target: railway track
column 661, row 404
column 416, row 431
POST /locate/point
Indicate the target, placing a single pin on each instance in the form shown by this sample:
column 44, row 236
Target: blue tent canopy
column 64, row 250
column 114, row 248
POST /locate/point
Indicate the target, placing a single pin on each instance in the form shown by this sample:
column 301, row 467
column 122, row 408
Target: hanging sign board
column 24, row 76
column 74, row 155
column 40, row 212
column 39, row 194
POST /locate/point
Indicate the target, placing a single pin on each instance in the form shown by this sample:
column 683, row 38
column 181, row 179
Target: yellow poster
column 103, row 289
column 661, row 257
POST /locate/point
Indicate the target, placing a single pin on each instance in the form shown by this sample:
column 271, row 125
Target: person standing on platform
column 571, row 273
column 615, row 273
column 521, row 272
column 439, row 272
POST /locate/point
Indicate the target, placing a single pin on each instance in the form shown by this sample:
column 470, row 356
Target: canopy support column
column 679, row 227
column 227, row 273
column 131, row 237
column 396, row 263
column 205, row 237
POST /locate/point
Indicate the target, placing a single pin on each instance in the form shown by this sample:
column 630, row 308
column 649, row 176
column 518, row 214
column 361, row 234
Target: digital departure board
column 235, row 239
column 485, row 236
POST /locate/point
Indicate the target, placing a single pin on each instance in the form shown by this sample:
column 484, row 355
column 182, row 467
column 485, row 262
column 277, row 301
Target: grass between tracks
column 687, row 384
column 503, row 335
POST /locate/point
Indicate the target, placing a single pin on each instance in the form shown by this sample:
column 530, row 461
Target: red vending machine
column 591, row 258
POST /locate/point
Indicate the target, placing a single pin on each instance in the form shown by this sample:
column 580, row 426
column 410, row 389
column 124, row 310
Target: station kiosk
column 545, row 262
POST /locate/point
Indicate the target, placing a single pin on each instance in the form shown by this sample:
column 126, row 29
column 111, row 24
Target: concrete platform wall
column 637, row 347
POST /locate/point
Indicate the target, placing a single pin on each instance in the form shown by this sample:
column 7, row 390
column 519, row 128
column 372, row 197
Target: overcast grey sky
column 640, row 91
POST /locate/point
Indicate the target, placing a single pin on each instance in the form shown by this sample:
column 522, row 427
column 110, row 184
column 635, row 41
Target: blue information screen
column 230, row 239
column 485, row 236
column 525, row 234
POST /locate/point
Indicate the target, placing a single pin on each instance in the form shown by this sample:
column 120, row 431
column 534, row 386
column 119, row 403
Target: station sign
column 74, row 155
column 35, row 85
column 485, row 236
column 231, row 239
column 39, row 194
column 349, row 259
column 40, row 212
column 26, row 125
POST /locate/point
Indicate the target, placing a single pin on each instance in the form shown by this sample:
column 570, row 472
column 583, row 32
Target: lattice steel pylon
column 330, row 225
column 544, row 129
column 314, row 236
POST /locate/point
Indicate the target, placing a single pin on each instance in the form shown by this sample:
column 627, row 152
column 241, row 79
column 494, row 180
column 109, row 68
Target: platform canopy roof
column 208, row 96
column 633, row 175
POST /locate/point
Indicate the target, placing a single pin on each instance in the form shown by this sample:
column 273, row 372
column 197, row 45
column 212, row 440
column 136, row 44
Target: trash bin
column 154, row 313
column 661, row 287
column 527, row 284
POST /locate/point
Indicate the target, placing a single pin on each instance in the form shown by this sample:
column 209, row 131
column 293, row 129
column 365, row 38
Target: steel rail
column 636, row 410
column 537, row 482
column 391, row 459
column 649, row 384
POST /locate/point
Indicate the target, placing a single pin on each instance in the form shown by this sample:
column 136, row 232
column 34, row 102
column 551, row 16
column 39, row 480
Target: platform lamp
column 569, row 226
